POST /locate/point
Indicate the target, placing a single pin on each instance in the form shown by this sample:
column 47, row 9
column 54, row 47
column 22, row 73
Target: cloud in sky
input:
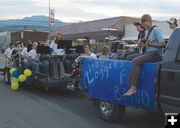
column 85, row 10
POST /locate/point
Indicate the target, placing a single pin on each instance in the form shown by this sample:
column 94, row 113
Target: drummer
column 56, row 63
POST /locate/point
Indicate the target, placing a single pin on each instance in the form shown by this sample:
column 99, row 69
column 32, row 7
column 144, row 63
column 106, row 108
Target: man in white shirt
column 8, row 53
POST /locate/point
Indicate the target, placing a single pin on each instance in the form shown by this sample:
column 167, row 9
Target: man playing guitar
column 151, row 50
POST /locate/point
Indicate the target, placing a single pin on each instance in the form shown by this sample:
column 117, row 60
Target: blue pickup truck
column 159, row 88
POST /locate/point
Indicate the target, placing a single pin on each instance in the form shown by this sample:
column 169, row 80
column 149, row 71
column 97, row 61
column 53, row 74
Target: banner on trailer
column 108, row 80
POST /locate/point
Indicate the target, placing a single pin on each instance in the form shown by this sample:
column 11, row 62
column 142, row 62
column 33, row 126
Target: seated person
column 152, row 53
column 44, row 50
column 105, row 53
column 34, row 57
column 25, row 52
column 8, row 53
column 87, row 54
column 16, row 54
column 141, row 34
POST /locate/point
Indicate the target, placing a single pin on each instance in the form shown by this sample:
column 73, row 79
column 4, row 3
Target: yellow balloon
column 14, row 86
column 12, row 70
column 14, row 79
column 27, row 72
column 22, row 78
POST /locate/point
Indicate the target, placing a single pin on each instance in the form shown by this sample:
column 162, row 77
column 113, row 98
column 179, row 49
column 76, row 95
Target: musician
column 141, row 34
column 34, row 57
column 16, row 54
column 153, row 43
column 8, row 52
column 56, row 63
column 45, row 53
column 25, row 52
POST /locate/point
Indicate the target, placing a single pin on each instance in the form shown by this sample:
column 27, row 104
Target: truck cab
column 169, row 75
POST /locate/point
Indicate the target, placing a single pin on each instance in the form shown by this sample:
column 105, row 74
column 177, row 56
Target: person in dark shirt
column 140, row 29
column 141, row 35
column 16, row 54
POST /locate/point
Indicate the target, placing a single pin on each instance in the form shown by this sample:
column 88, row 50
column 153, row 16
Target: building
column 98, row 32
column 24, row 36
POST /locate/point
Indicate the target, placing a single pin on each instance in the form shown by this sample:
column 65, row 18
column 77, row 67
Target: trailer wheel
column 109, row 111
column 7, row 76
column 46, row 89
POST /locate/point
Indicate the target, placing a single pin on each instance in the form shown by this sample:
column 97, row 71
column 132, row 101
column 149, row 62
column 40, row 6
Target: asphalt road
column 32, row 107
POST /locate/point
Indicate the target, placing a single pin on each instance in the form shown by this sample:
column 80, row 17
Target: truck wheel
column 109, row 111
column 7, row 76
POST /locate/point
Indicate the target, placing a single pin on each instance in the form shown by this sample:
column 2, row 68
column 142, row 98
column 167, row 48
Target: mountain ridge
column 38, row 22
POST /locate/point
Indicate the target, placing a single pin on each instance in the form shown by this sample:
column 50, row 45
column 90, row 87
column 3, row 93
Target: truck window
column 178, row 56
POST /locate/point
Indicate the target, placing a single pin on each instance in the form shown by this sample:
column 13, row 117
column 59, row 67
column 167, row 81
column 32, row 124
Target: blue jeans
column 139, row 59
column 45, row 66
column 35, row 65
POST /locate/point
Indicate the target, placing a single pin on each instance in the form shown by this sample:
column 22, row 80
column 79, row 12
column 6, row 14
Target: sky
column 87, row 10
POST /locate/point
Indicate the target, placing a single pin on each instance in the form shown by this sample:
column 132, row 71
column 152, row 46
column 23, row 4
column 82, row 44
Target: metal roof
column 116, row 23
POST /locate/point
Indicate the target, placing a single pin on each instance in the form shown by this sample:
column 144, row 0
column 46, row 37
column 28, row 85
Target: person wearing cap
column 154, row 43
column 172, row 23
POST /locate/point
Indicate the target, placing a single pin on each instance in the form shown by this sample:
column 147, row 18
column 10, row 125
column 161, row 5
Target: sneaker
column 71, row 87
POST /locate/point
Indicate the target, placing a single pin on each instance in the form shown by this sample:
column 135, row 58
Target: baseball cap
column 172, row 21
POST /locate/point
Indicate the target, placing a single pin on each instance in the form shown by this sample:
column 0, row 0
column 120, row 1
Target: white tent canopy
column 132, row 34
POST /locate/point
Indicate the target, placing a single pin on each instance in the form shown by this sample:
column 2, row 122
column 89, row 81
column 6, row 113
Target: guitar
column 142, row 48
column 12, row 56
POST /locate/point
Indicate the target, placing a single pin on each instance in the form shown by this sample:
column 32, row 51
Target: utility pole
column 49, row 20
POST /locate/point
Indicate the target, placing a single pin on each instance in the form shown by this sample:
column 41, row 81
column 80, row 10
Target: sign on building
column 52, row 15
